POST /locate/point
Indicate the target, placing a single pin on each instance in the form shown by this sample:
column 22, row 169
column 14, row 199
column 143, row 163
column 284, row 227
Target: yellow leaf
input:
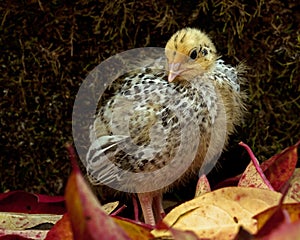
column 293, row 209
column 110, row 207
column 134, row 231
column 219, row 214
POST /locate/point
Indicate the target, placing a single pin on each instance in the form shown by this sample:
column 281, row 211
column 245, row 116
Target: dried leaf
column 61, row 230
column 294, row 190
column 275, row 217
column 24, row 202
column 219, row 214
column 184, row 235
column 279, row 168
column 177, row 234
column 293, row 209
column 243, row 235
column 133, row 230
column 274, row 222
column 279, row 217
column 22, row 221
column 87, row 219
column 110, row 207
column 29, row 226
column 233, row 181
column 287, row 231
column 253, row 176
column 22, row 234
column 289, row 155
column 203, row 186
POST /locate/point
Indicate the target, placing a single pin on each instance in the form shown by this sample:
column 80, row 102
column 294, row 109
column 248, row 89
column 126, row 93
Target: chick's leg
column 135, row 207
column 146, row 200
column 158, row 209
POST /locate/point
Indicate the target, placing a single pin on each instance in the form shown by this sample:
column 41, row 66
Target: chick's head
column 189, row 52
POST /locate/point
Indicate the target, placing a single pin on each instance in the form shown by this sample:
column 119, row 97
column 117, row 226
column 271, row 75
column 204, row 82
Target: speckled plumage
column 148, row 107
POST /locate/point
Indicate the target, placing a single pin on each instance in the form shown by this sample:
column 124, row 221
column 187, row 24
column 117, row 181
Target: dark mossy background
column 48, row 48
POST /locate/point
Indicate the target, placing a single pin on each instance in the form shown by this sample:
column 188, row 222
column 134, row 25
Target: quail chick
column 196, row 94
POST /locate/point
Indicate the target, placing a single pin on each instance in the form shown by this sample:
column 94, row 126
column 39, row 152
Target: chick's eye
column 193, row 54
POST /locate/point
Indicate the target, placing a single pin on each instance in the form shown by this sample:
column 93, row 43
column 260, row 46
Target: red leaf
column 284, row 161
column 293, row 210
column 280, row 216
column 229, row 182
column 14, row 237
column 87, row 219
column 287, row 231
column 279, row 168
column 253, row 175
column 24, row 202
column 274, row 218
column 279, row 225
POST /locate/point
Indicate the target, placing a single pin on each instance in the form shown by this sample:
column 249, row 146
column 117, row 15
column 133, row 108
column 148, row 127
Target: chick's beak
column 174, row 71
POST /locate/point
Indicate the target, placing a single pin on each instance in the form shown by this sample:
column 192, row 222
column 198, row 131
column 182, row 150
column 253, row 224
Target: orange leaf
column 61, row 230
column 87, row 219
